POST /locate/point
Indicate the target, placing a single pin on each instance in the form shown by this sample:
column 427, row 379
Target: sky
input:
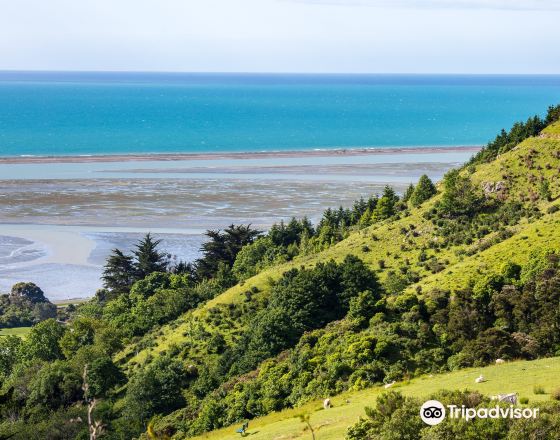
column 327, row 36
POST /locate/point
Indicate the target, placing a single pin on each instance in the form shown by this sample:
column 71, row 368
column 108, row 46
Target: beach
column 318, row 152
column 61, row 216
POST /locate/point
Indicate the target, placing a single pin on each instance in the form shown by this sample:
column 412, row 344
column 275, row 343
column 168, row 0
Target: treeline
column 239, row 251
column 147, row 287
column 520, row 131
column 285, row 241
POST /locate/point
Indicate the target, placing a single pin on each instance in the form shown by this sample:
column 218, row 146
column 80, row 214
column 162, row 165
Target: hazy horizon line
column 242, row 72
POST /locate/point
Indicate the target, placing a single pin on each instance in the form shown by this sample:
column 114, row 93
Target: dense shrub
column 397, row 417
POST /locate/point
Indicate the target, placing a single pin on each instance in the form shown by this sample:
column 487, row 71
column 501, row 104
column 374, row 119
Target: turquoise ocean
column 55, row 113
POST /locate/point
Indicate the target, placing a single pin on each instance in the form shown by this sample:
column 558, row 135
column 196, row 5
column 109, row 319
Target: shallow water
column 59, row 221
column 49, row 264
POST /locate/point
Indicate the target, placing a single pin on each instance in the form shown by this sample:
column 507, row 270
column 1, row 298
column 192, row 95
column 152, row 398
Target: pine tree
column 365, row 219
column 460, row 196
column 408, row 193
column 223, row 247
column 385, row 205
column 147, row 257
column 424, row 190
column 119, row 272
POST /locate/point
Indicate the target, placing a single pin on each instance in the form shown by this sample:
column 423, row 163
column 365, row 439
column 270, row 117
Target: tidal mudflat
column 60, row 218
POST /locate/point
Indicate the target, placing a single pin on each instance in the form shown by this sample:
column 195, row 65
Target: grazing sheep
column 326, row 403
column 389, row 385
column 480, row 379
column 500, row 361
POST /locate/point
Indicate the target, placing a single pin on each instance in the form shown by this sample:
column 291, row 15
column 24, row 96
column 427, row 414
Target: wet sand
column 357, row 151
column 66, row 261
column 60, row 217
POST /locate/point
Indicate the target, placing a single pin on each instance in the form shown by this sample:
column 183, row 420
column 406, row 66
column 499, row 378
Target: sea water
column 56, row 113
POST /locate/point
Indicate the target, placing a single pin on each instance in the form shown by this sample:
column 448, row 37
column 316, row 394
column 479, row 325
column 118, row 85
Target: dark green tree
column 25, row 305
column 56, row 384
column 29, row 291
column 43, row 341
column 148, row 258
column 552, row 114
column 102, row 375
column 460, row 197
column 356, row 277
column 270, row 332
column 423, row 191
column 283, row 234
column 155, row 389
column 222, row 248
column 119, row 273
column 385, row 207
column 408, row 193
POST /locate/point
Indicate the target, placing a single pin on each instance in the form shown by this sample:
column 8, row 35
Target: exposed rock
column 494, row 187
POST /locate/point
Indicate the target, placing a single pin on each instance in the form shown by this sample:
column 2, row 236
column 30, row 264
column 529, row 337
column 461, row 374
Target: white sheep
column 480, row 379
column 326, row 403
column 389, row 385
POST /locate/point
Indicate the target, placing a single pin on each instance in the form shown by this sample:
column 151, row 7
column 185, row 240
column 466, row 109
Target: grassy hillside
column 524, row 181
column 18, row 331
column 331, row 424
column 552, row 131
column 392, row 243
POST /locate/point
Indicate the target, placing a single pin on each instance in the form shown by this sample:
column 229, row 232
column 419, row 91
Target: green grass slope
column 331, row 424
column 22, row 332
column 552, row 131
column 390, row 244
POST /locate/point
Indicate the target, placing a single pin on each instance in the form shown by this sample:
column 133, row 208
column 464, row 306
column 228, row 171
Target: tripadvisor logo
column 433, row 412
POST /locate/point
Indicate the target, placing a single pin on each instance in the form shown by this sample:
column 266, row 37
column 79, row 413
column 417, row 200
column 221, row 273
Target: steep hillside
column 488, row 227
column 518, row 174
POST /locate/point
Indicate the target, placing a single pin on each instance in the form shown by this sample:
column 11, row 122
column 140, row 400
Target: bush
column 523, row 400
column 155, row 389
column 555, row 395
column 538, row 389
